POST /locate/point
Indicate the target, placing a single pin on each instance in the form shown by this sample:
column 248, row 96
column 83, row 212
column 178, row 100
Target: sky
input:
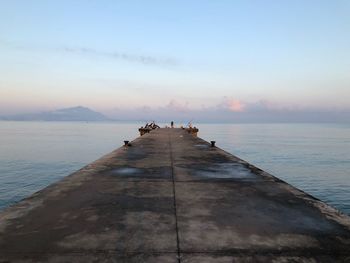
column 203, row 58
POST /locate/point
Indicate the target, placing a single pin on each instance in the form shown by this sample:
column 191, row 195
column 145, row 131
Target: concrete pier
column 171, row 197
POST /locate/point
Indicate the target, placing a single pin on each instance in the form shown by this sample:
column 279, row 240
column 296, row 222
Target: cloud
column 137, row 58
column 232, row 104
column 231, row 111
column 86, row 51
column 255, row 112
column 177, row 106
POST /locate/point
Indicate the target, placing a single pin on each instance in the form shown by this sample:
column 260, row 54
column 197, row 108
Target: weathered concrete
column 171, row 197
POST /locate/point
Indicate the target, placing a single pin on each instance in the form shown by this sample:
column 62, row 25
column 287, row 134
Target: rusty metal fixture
column 192, row 130
column 148, row 128
column 144, row 131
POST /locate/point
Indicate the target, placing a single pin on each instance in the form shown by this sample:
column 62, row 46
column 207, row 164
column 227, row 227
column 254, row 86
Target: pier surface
column 170, row 197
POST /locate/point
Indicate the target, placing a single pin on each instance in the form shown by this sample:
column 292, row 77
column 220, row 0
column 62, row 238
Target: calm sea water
column 312, row 157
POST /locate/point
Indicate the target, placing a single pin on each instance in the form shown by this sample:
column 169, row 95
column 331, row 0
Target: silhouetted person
column 172, row 124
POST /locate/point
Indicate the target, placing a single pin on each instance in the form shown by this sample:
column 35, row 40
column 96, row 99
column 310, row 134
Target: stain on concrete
column 126, row 171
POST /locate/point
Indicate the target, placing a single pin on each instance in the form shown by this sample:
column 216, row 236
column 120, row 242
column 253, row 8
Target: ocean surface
column 312, row 157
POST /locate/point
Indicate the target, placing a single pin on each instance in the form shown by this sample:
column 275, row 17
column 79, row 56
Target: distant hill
column 68, row 114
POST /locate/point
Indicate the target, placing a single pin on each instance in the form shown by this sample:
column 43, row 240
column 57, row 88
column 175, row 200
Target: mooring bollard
column 212, row 143
column 126, row 143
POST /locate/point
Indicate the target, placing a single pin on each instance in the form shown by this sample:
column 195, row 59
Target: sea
column 312, row 157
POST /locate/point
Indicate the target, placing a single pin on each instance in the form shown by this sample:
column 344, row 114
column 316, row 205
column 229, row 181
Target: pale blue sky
column 110, row 54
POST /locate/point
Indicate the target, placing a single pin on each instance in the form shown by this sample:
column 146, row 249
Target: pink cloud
column 233, row 104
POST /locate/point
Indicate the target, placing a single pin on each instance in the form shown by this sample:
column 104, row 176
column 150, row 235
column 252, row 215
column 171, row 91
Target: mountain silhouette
column 78, row 113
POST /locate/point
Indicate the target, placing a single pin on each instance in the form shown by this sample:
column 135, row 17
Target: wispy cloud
column 137, row 58
column 90, row 52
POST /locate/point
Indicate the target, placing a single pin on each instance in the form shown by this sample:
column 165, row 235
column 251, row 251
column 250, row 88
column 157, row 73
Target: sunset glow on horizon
column 184, row 55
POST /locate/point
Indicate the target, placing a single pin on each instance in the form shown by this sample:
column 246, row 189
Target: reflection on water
column 312, row 157
column 36, row 154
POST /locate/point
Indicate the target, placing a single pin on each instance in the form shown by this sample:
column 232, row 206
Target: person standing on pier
column 172, row 124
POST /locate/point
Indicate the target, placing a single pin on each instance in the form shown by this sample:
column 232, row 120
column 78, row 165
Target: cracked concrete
column 170, row 197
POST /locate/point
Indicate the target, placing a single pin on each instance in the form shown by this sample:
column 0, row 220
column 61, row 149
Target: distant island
column 78, row 113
